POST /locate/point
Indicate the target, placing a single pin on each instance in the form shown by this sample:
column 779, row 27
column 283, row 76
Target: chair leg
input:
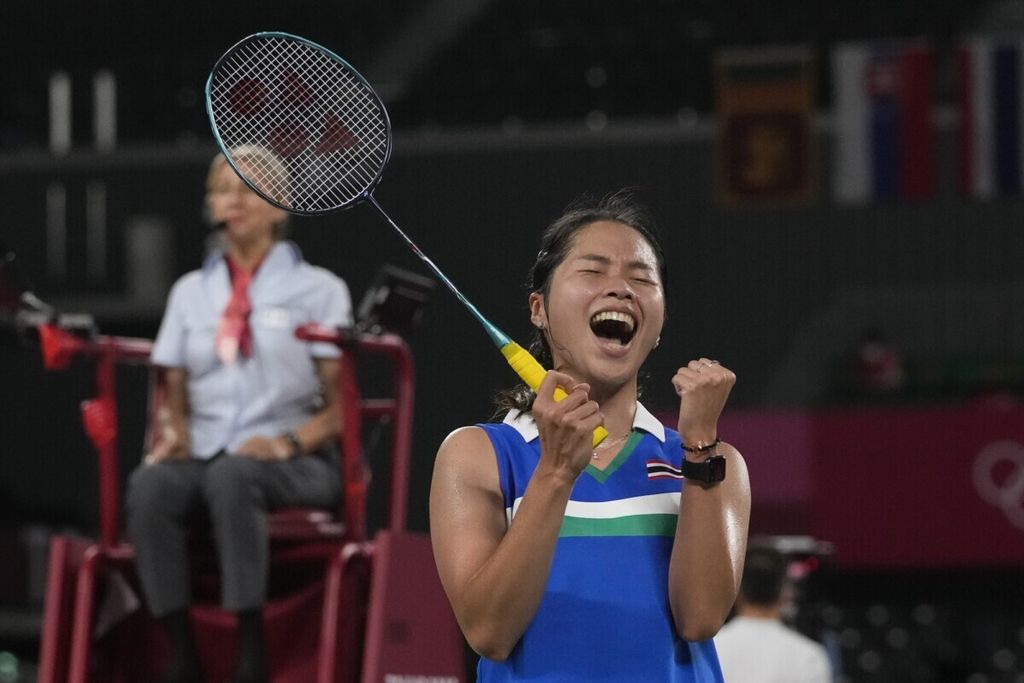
column 81, row 627
column 331, row 644
column 327, row 659
column 60, row 585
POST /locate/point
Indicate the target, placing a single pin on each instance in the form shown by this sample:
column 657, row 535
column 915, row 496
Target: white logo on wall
column 999, row 478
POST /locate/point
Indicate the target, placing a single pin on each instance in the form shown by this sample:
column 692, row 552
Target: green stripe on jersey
column 632, row 525
column 606, row 514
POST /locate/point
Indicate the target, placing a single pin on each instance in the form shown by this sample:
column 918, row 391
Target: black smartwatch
column 293, row 439
column 706, row 473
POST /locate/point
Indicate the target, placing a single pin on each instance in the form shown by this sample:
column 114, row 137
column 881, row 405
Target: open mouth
column 614, row 325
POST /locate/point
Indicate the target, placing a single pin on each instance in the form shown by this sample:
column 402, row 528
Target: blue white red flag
column 991, row 97
column 884, row 143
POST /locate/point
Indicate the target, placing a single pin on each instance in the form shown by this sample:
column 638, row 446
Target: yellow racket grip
column 532, row 372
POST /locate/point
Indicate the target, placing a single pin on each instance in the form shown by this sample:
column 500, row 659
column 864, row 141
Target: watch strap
column 710, row 471
column 293, row 439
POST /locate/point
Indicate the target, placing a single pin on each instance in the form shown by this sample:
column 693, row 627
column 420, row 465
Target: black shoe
column 259, row 677
column 183, row 671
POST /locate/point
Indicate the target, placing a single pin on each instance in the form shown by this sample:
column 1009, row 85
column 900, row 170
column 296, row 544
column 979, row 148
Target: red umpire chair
column 343, row 606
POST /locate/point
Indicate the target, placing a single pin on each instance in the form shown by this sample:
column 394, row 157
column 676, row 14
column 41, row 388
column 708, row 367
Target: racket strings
column 320, row 72
column 363, row 126
column 315, row 115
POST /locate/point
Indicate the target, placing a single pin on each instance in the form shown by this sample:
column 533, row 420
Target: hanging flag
column 991, row 95
column 884, row 142
column 764, row 99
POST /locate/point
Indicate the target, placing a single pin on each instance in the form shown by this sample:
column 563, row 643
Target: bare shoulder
column 465, row 492
column 467, row 456
column 465, row 443
column 466, row 437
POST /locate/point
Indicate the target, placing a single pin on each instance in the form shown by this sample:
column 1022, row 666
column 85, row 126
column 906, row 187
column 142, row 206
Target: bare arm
column 174, row 441
column 707, row 556
column 494, row 573
column 324, row 426
column 711, row 534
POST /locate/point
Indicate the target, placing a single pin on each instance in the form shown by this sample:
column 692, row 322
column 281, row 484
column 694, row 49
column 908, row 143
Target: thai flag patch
column 659, row 469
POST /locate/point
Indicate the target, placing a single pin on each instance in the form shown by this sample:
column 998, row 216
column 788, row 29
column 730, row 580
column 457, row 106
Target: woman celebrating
column 252, row 414
column 565, row 561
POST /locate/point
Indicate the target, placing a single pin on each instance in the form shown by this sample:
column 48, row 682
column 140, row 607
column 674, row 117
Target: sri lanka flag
column 884, row 144
column 991, row 97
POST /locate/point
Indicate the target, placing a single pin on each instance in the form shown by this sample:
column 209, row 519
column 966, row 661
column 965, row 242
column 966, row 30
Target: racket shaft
column 525, row 365
column 532, row 372
column 499, row 338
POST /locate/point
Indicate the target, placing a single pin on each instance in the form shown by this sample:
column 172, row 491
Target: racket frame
column 528, row 369
column 269, row 35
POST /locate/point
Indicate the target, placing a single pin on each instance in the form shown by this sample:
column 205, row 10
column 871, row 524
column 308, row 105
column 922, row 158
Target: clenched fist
column 703, row 386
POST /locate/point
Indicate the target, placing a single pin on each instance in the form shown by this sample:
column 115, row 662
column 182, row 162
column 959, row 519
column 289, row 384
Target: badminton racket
column 305, row 131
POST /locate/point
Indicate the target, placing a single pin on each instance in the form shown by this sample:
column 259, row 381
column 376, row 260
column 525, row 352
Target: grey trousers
column 236, row 492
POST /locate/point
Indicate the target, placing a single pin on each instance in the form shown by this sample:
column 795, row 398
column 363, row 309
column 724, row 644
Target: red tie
column 233, row 332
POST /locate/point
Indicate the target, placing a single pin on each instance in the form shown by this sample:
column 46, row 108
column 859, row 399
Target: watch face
column 716, row 469
column 711, row 471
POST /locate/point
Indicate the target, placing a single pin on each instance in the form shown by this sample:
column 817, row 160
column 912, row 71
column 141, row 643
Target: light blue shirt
column 277, row 388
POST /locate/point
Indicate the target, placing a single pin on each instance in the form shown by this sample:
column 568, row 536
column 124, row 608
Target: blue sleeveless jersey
column 605, row 614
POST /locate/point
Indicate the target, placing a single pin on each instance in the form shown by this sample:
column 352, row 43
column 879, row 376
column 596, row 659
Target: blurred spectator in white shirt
column 755, row 646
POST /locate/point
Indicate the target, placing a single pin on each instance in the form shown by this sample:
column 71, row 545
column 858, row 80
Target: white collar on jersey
column 643, row 419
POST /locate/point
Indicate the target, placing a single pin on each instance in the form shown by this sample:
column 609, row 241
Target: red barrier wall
column 891, row 486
